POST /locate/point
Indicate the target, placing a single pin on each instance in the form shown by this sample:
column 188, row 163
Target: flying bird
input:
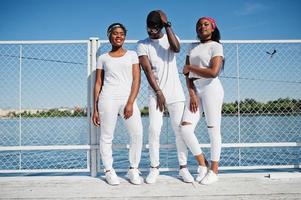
column 271, row 53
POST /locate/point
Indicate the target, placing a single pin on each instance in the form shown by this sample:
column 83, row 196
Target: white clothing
column 211, row 95
column 164, row 67
column 200, row 54
column 113, row 98
column 118, row 74
column 108, row 113
column 155, row 124
column 211, row 100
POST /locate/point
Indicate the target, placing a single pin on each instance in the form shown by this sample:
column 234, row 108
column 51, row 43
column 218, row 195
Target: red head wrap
column 211, row 20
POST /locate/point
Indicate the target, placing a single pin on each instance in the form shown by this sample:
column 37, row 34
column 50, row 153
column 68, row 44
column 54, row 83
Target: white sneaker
column 152, row 176
column 135, row 178
column 202, row 171
column 210, row 178
column 185, row 175
column 112, row 178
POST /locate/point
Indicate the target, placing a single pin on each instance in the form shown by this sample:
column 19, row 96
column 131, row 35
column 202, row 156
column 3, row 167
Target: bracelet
column 167, row 24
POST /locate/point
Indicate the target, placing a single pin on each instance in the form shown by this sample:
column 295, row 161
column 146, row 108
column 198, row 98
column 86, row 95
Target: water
column 74, row 131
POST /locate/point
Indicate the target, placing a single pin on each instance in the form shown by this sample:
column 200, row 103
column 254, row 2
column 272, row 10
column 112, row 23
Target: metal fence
column 46, row 97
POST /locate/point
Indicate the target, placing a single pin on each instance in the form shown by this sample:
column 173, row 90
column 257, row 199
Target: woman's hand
column 96, row 119
column 128, row 110
column 194, row 103
column 186, row 70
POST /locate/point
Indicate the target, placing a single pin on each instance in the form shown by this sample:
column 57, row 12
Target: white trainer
column 134, row 176
column 153, row 175
column 185, row 175
column 210, row 178
column 112, row 178
column 202, row 171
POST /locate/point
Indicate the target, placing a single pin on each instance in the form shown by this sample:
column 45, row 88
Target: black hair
column 154, row 19
column 113, row 26
column 216, row 36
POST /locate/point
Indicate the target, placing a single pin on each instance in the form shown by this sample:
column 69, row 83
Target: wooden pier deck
column 284, row 185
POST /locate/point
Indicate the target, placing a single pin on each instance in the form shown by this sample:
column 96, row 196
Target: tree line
column 280, row 106
column 51, row 113
column 249, row 106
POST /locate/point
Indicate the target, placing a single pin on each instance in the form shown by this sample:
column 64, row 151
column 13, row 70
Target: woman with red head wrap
column 203, row 63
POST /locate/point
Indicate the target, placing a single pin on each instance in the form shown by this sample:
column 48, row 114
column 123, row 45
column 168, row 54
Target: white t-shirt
column 118, row 75
column 164, row 67
column 200, row 55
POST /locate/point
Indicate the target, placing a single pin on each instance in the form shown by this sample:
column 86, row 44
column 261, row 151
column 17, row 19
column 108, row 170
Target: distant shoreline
column 165, row 115
column 247, row 107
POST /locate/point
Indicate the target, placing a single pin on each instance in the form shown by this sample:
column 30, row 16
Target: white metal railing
column 238, row 52
column 146, row 146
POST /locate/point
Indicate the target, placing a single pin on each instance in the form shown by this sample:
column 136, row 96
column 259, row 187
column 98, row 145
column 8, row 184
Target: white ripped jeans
column 211, row 95
column 108, row 113
column 155, row 124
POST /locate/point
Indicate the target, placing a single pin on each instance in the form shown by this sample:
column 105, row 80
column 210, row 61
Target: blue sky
column 47, row 84
column 81, row 19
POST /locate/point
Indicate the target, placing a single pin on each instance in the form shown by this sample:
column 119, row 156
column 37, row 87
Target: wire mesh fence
column 43, row 103
column 45, row 107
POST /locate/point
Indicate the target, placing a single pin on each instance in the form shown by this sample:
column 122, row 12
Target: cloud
column 250, row 8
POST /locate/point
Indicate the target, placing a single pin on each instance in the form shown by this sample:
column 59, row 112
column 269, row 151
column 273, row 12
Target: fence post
column 93, row 46
column 238, row 101
column 20, row 104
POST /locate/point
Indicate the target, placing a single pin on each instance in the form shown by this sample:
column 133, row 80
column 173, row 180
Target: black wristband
column 167, row 24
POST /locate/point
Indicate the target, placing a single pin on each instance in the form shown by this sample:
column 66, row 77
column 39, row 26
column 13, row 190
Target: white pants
column 211, row 95
column 155, row 124
column 108, row 112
